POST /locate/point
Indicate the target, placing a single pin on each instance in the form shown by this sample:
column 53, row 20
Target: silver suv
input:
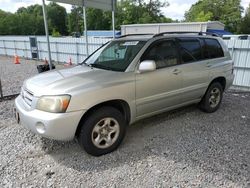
column 125, row 80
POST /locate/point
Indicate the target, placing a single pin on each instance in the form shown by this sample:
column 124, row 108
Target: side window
column 190, row 50
column 164, row 53
column 213, row 49
column 206, row 54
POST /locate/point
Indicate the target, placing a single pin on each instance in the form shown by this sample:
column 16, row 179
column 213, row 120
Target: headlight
column 54, row 104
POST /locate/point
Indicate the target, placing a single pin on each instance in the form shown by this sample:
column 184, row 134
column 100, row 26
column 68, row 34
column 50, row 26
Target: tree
column 3, row 22
column 245, row 24
column 57, row 18
column 203, row 17
column 226, row 11
column 75, row 21
column 98, row 19
column 132, row 12
column 29, row 21
column 127, row 12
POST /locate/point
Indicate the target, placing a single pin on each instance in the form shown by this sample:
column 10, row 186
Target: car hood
column 70, row 80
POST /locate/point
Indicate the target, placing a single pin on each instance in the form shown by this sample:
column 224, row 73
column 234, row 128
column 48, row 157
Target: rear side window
column 212, row 49
column 190, row 50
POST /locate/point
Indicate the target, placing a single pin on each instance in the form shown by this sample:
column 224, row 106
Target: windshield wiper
column 101, row 66
column 86, row 64
column 105, row 67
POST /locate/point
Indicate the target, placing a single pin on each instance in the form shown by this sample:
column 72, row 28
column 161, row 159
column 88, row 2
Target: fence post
column 5, row 50
column 15, row 47
column 233, row 49
column 57, row 58
column 1, row 91
column 25, row 49
column 77, row 58
column 39, row 51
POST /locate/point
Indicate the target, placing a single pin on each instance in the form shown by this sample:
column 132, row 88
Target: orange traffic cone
column 16, row 59
column 69, row 63
column 45, row 61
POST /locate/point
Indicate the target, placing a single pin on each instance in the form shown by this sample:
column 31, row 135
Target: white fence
column 61, row 48
column 240, row 52
column 64, row 48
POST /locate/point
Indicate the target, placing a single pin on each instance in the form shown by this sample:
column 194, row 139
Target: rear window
column 212, row 49
column 190, row 50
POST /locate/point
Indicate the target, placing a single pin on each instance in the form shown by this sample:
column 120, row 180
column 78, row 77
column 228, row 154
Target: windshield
column 115, row 56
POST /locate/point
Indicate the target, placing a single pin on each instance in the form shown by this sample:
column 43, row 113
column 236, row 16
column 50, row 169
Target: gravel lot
column 183, row 148
column 12, row 76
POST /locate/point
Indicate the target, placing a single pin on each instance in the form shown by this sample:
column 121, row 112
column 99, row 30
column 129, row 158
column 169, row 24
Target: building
column 210, row 26
column 103, row 33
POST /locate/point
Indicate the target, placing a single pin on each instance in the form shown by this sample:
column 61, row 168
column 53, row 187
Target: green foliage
column 226, row 11
column 74, row 20
column 203, row 17
column 55, row 33
column 127, row 12
column 57, row 18
column 133, row 12
column 29, row 21
column 98, row 19
column 245, row 24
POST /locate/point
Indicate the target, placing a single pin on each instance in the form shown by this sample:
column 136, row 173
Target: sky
column 176, row 9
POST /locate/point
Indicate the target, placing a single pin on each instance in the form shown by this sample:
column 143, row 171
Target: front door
column 158, row 90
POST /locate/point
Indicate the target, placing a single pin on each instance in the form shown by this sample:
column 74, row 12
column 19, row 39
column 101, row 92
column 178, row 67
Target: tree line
column 29, row 21
column 228, row 12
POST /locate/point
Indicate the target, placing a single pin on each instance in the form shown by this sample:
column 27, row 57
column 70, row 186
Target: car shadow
column 139, row 138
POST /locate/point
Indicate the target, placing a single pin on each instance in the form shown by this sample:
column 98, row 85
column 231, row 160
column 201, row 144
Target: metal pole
column 1, row 91
column 113, row 22
column 85, row 28
column 57, row 58
column 113, row 17
column 47, row 33
column 5, row 50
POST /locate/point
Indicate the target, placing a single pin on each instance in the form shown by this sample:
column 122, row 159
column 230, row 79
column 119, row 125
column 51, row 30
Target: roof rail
column 186, row 32
column 139, row 34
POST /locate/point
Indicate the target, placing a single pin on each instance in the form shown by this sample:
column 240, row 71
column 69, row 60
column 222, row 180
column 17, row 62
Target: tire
column 210, row 103
column 103, row 131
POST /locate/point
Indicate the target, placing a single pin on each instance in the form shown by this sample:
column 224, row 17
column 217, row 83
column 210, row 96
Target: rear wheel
column 212, row 99
column 103, row 131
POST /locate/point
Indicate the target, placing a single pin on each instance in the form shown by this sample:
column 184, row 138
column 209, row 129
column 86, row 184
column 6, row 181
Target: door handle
column 176, row 71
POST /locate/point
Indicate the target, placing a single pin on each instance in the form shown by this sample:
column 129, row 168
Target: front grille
column 27, row 96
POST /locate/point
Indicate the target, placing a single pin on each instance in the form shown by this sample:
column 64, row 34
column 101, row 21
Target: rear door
column 195, row 69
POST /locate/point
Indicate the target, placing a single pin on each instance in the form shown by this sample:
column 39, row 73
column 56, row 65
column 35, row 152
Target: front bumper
column 58, row 126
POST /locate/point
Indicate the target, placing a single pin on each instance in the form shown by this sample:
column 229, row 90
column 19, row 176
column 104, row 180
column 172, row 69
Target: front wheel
column 212, row 99
column 103, row 131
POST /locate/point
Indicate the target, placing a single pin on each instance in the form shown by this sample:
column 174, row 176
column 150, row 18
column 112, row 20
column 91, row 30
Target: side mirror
column 147, row 66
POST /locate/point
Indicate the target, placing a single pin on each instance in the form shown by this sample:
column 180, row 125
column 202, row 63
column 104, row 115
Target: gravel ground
column 12, row 76
column 183, row 148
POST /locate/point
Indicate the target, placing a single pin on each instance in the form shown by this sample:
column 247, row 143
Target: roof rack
column 139, row 34
column 186, row 32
